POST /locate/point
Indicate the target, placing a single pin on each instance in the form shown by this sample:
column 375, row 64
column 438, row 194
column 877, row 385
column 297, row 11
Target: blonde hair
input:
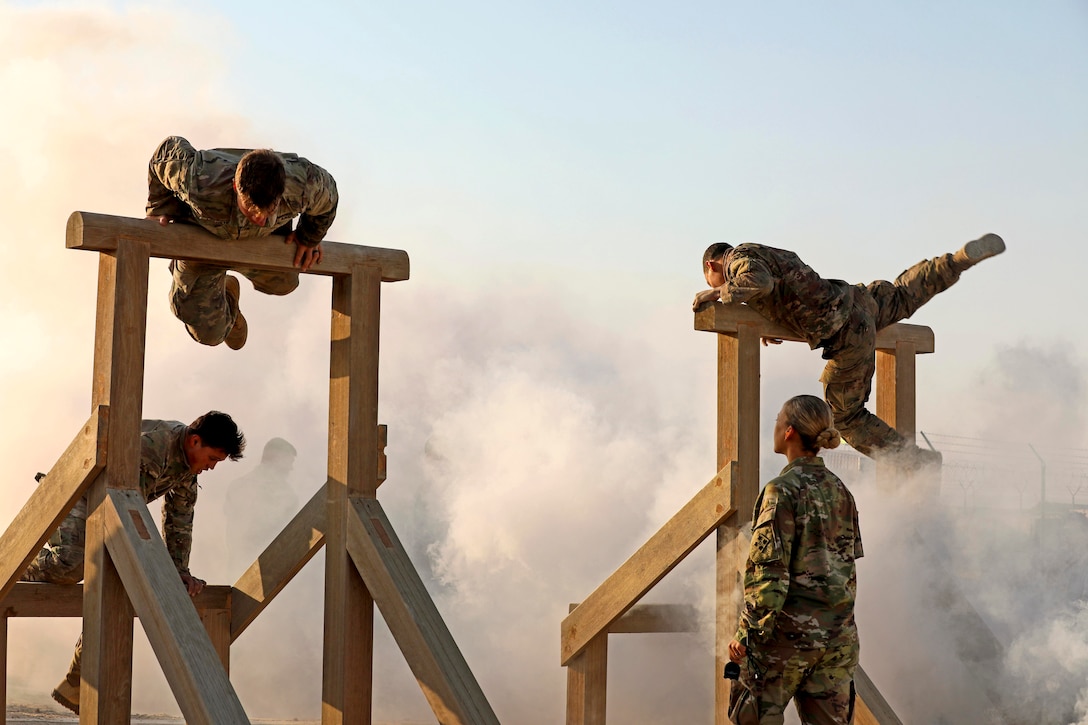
column 813, row 421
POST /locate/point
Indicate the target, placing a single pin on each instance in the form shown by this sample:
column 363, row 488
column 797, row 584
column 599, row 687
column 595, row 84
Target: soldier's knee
column 278, row 287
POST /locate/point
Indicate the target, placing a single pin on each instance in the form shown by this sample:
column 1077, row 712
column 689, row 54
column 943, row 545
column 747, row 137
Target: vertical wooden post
column 896, row 388
column 347, row 683
column 3, row 668
column 217, row 624
column 738, row 440
column 587, row 684
column 120, row 332
column 895, row 399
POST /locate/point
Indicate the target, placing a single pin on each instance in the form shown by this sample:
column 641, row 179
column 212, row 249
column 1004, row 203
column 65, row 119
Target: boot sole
column 986, row 246
column 74, row 707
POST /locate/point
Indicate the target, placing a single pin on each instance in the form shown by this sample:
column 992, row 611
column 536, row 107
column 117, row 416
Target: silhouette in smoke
column 259, row 504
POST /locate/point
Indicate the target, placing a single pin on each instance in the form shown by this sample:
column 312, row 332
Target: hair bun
column 829, row 438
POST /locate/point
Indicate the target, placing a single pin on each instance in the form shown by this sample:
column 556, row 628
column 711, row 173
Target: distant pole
column 1042, row 482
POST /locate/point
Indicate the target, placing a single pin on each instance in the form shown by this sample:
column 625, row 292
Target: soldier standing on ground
column 797, row 638
column 171, row 456
column 841, row 318
column 236, row 194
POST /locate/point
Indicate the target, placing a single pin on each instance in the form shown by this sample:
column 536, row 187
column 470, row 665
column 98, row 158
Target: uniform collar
column 804, row 461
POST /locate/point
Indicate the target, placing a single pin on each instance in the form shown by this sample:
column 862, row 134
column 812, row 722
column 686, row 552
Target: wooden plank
column 347, row 683
column 738, row 440
column 3, row 670
column 896, row 390
column 179, row 640
column 587, row 684
column 434, row 658
column 647, row 566
column 105, row 693
column 871, row 708
column 118, row 380
column 657, row 618
column 289, row 552
column 101, row 232
column 37, row 599
column 217, row 624
column 51, row 501
column 722, row 318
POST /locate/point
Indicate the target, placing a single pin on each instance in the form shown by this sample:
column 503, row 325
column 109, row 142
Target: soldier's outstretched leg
column 206, row 300
column 900, row 299
column 848, row 382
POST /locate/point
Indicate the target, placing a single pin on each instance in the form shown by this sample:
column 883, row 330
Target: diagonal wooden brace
column 181, row 644
column 51, row 501
column 301, row 538
column 647, row 566
column 416, row 625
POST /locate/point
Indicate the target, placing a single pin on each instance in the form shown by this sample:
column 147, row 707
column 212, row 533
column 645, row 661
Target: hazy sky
column 555, row 171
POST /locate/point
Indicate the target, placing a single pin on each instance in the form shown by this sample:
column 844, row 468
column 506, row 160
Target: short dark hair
column 716, row 250
column 261, row 176
column 218, row 430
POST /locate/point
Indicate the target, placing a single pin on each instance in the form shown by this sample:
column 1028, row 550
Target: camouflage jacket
column 782, row 288
column 164, row 471
column 800, row 582
column 196, row 186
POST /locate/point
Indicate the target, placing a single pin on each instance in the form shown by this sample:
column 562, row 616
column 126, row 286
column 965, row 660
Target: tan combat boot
column 67, row 694
column 236, row 338
column 986, row 246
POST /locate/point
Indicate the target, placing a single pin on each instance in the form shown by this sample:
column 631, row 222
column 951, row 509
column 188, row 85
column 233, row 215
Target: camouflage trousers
column 851, row 352
column 61, row 562
column 198, row 296
column 819, row 681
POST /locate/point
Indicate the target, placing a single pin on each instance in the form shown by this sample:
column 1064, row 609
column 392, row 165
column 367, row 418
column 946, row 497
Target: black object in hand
column 732, row 671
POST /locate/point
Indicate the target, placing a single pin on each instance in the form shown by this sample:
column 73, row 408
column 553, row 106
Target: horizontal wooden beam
column 100, row 232
column 34, row 599
column 619, row 592
column 54, row 497
column 292, row 549
column 724, row 319
column 655, row 619
column 190, row 662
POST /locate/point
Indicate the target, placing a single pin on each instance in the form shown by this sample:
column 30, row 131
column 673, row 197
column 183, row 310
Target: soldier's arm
column 767, row 575
column 168, row 177
column 746, row 278
column 177, row 524
column 320, row 212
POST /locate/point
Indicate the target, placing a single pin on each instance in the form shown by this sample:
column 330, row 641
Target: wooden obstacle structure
column 128, row 570
column 724, row 506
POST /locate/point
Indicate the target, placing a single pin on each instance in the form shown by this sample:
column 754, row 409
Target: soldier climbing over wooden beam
column 171, row 456
column 841, row 318
column 236, row 194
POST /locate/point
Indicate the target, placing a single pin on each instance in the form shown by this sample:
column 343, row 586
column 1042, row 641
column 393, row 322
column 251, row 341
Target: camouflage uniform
column 196, row 187
column 841, row 318
column 799, row 590
column 164, row 471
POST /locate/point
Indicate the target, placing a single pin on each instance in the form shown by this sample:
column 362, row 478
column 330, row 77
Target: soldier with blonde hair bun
column 797, row 638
